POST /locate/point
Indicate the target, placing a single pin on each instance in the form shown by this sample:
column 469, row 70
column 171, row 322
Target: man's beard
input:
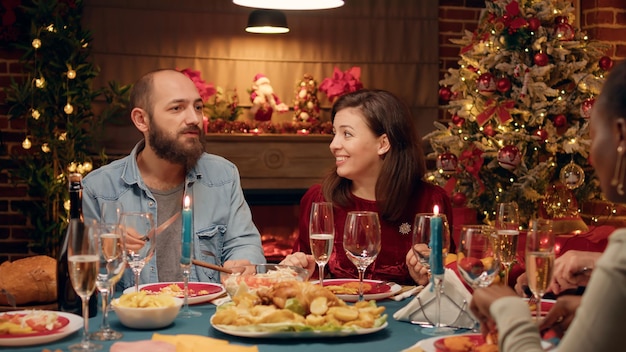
column 173, row 151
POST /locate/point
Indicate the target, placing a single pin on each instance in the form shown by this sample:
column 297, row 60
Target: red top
column 396, row 238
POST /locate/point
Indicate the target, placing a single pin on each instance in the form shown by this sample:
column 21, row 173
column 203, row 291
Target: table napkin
column 454, row 305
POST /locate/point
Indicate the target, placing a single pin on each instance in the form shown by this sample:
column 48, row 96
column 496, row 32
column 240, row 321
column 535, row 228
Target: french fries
column 142, row 299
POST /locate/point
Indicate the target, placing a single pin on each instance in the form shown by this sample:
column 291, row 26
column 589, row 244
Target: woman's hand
column 418, row 272
column 561, row 314
column 572, row 269
column 301, row 260
column 481, row 302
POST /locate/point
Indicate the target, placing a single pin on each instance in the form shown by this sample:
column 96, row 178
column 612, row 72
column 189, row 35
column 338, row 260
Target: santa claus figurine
column 264, row 101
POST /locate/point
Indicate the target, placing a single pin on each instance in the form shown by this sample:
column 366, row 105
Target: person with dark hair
column 168, row 164
column 593, row 322
column 379, row 166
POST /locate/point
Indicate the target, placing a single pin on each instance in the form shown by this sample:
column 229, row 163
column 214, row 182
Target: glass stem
column 104, row 325
column 85, row 302
column 361, row 274
column 321, row 272
column 438, row 290
column 185, row 287
column 507, row 269
column 538, row 308
column 136, row 280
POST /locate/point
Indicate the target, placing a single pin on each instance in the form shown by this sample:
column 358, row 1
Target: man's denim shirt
column 222, row 220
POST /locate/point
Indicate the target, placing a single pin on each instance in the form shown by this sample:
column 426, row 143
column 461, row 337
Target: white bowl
column 147, row 318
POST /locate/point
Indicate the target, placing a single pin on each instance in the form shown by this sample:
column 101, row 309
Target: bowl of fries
column 141, row 310
column 250, row 277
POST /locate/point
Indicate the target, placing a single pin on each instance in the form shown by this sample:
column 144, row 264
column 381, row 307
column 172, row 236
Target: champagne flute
column 421, row 237
column 361, row 241
column 82, row 257
column 112, row 262
column 477, row 261
column 321, row 234
column 186, row 251
column 507, row 233
column 539, row 259
column 140, row 241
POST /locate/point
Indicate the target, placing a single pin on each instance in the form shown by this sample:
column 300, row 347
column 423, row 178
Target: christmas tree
column 519, row 103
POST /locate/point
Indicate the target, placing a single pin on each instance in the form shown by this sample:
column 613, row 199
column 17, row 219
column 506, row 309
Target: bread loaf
column 30, row 280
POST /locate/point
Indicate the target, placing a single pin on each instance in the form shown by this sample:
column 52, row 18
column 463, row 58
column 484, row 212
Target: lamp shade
column 267, row 21
column 290, row 4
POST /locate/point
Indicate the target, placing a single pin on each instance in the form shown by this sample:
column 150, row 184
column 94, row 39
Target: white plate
column 215, row 290
column 393, row 289
column 247, row 331
column 428, row 345
column 75, row 323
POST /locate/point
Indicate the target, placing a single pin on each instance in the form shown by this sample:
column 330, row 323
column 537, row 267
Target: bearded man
column 163, row 168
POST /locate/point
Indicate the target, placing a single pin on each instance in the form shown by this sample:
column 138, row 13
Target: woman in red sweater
column 379, row 166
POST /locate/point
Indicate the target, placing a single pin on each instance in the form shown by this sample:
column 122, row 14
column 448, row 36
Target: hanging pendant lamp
column 267, row 22
column 290, row 4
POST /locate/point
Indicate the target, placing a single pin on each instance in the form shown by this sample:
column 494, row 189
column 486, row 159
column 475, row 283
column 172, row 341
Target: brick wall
column 602, row 19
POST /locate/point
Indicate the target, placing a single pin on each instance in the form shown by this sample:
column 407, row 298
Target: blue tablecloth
column 397, row 336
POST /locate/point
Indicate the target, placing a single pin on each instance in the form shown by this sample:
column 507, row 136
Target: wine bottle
column 67, row 298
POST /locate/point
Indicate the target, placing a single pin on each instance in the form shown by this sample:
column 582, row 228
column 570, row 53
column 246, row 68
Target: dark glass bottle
column 67, row 298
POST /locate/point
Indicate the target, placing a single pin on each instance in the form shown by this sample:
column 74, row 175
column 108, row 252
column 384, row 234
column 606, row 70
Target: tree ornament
column 489, row 131
column 509, row 157
column 586, row 106
column 68, row 108
column 459, row 199
column 560, row 120
column 306, row 105
column 36, row 43
column 572, row 175
column 541, row 59
column 445, row 94
column 447, row 163
column 534, row 23
column 605, row 63
column 458, row 120
column 564, row 31
column 486, row 84
column 503, row 85
column 542, row 134
column 26, row 144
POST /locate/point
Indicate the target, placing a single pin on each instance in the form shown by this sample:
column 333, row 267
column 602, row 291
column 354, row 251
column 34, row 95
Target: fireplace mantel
column 275, row 161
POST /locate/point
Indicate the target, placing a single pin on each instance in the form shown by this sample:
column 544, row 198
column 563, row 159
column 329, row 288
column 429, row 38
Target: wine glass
column 477, row 261
column 83, row 261
column 140, row 240
column 111, row 211
column 361, row 241
column 321, row 234
column 539, row 258
column 421, row 237
column 112, row 262
column 507, row 233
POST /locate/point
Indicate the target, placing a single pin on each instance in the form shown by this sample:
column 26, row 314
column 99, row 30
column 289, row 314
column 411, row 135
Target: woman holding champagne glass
column 596, row 324
column 379, row 166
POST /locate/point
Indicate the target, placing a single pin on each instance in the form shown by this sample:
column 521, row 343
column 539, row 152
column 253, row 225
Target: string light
column 36, row 43
column 40, row 82
column 68, row 108
column 26, row 144
column 45, row 148
column 35, row 114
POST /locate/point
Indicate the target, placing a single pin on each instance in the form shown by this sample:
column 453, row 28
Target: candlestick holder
column 187, row 312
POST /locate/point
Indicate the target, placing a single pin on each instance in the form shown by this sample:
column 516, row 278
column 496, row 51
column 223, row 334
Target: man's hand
column 418, row 272
column 301, row 260
column 561, row 314
column 481, row 302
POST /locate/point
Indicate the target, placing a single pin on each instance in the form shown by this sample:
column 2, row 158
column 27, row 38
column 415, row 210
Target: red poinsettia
column 341, row 83
column 206, row 90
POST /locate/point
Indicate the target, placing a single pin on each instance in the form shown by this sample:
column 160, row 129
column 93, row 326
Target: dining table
column 397, row 336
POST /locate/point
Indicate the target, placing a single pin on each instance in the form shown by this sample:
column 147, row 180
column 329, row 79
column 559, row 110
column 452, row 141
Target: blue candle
column 436, row 243
column 186, row 234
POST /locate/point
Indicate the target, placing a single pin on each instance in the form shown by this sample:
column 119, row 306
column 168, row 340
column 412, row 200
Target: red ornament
column 486, row 84
column 458, row 120
column 459, row 199
column 489, row 131
column 534, row 23
column 542, row 134
column 560, row 19
column 447, row 163
column 509, row 157
column 445, row 94
column 564, row 31
column 472, row 68
column 560, row 120
column 585, row 107
column 541, row 59
column 605, row 63
column 503, row 85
